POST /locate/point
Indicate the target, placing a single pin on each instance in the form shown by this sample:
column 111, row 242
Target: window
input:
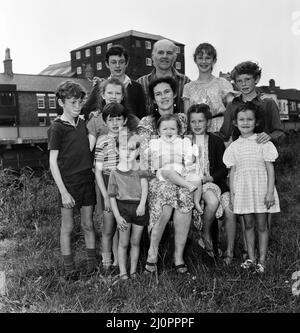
column 148, row 62
column 178, row 65
column 99, row 66
column 52, row 101
column 52, row 117
column 78, row 55
column 177, row 49
column 79, row 70
column 7, row 99
column 293, row 106
column 40, row 101
column 87, row 53
column 109, row 45
column 42, row 119
column 147, row 45
column 138, row 43
column 98, row 50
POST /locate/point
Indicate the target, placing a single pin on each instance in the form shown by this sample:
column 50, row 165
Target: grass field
column 30, row 256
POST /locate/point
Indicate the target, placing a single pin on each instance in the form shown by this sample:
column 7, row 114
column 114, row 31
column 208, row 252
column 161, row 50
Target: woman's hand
column 269, row 200
column 67, row 200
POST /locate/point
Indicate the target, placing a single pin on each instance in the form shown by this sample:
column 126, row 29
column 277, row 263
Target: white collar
column 252, row 137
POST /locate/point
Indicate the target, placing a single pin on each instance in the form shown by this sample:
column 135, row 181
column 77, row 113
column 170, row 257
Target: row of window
column 41, row 99
column 138, row 43
column 43, row 118
column 148, row 63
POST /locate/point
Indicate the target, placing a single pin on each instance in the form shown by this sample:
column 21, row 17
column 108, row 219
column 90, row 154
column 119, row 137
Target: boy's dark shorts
column 127, row 210
column 82, row 188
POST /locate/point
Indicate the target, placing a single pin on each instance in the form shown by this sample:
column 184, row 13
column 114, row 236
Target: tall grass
column 30, row 221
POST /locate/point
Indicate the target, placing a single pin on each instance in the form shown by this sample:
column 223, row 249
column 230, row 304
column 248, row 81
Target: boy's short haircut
column 117, row 50
column 115, row 81
column 246, row 67
column 114, row 110
column 168, row 117
column 70, row 89
column 167, row 79
column 208, row 48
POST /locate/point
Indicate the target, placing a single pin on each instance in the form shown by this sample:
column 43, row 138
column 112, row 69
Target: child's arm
column 231, row 188
column 122, row 224
column 92, row 141
column 141, row 207
column 269, row 198
column 67, row 200
column 100, row 182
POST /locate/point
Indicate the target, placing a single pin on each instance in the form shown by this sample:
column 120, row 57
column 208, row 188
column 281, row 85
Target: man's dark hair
column 117, row 50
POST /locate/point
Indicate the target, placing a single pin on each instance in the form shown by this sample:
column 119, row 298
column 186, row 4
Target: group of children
column 124, row 184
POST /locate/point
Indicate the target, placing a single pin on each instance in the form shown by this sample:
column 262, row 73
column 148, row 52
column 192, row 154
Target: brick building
column 89, row 60
column 27, row 107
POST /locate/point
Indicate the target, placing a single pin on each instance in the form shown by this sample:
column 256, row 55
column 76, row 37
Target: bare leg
column 242, row 223
column 115, row 244
column 66, row 231
column 197, row 198
column 175, row 178
column 135, row 239
column 122, row 249
column 88, row 226
column 263, row 236
column 211, row 206
column 182, row 224
column 230, row 227
column 250, row 235
column 109, row 227
column 156, row 234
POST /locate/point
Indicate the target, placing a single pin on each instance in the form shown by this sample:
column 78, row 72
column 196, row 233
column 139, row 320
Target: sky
column 43, row 32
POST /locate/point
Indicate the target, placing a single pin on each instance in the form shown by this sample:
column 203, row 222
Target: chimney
column 8, row 64
column 272, row 83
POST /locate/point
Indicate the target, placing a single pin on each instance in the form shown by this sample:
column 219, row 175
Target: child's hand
column 67, row 200
column 263, row 138
column 140, row 211
column 107, row 206
column 269, row 200
column 122, row 224
column 207, row 179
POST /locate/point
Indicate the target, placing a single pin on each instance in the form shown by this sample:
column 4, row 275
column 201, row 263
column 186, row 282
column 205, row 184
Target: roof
column 122, row 35
column 59, row 69
column 40, row 83
column 289, row 94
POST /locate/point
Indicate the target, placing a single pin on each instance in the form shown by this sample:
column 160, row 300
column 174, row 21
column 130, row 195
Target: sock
column 91, row 259
column 68, row 263
column 106, row 259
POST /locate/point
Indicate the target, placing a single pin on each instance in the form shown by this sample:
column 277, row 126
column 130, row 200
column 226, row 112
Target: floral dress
column 162, row 193
column 212, row 93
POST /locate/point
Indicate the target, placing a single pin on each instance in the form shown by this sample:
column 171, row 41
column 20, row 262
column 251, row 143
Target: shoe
column 123, row 277
column 204, row 244
column 245, row 255
column 248, row 263
column 227, row 260
column 133, row 275
column 181, row 269
column 151, row 264
column 260, row 268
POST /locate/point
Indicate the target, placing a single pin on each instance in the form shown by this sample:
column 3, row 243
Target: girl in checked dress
column 252, row 178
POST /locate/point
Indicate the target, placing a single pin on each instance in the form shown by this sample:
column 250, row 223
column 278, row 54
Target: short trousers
column 127, row 210
column 83, row 193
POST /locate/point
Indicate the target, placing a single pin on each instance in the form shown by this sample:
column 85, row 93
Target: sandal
column 227, row 260
column 151, row 264
column 248, row 263
column 260, row 268
column 133, row 275
column 181, row 269
column 123, row 277
column 204, row 244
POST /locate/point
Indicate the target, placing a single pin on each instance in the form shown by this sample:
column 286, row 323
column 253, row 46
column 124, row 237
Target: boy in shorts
column 71, row 167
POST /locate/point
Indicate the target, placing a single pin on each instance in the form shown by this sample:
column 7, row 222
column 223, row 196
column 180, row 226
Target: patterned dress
column 162, row 193
column 250, row 179
column 212, row 93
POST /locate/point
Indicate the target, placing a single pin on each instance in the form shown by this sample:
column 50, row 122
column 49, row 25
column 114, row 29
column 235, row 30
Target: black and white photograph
column 150, row 159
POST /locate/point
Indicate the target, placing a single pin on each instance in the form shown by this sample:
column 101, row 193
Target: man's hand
column 263, row 138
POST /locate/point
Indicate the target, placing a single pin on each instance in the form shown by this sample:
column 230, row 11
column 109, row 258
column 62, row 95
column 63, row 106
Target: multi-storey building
column 27, row 107
column 89, row 60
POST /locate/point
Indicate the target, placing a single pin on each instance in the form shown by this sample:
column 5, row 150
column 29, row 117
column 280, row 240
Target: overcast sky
column 43, row 32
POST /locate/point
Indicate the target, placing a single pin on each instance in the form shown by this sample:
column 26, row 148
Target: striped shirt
column 107, row 152
column 181, row 80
